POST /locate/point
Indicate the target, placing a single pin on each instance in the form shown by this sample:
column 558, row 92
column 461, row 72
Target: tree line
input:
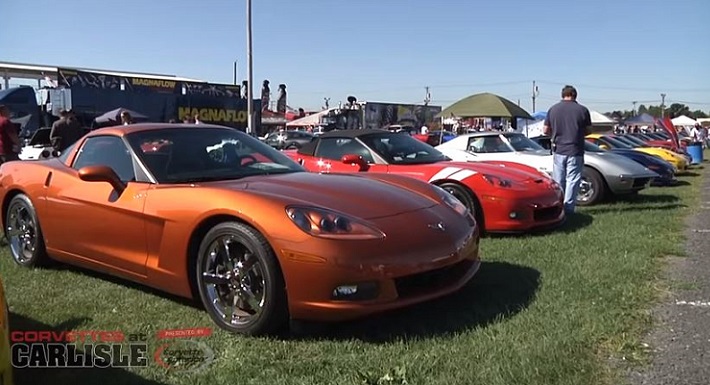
column 673, row 111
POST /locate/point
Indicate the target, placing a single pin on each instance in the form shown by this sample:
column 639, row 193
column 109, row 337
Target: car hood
column 354, row 195
column 502, row 169
column 615, row 164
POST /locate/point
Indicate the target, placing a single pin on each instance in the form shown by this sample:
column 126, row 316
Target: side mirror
column 102, row 174
column 355, row 159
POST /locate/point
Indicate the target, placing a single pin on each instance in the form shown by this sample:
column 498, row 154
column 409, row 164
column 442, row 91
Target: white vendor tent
column 683, row 121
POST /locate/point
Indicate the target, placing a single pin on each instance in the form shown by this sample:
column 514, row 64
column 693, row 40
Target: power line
column 621, row 88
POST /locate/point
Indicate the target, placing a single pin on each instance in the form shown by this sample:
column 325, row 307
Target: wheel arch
column 199, row 232
column 6, row 203
column 480, row 216
column 601, row 174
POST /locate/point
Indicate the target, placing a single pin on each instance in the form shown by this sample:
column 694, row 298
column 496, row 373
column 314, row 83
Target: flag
column 667, row 124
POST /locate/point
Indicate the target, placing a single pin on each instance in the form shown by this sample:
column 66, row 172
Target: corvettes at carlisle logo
column 176, row 349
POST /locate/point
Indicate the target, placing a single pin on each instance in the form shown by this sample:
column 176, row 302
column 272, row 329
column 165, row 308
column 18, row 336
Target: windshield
column 632, row 140
column 402, row 149
column 625, row 140
column 591, row 147
column 616, row 143
column 522, row 143
column 184, row 155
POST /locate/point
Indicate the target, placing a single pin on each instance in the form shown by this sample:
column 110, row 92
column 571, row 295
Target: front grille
column 546, row 214
column 640, row 182
column 412, row 285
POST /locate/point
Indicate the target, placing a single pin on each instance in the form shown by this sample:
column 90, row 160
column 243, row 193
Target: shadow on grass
column 689, row 173
column 571, row 224
column 645, row 199
column 69, row 376
column 679, row 183
column 499, row 290
column 126, row 283
column 640, row 202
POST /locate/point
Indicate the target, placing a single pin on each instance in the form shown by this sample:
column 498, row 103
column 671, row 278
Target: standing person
column 568, row 122
column 9, row 140
column 126, row 118
column 65, row 131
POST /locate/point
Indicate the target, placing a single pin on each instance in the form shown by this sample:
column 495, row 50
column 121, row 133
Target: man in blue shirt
column 568, row 122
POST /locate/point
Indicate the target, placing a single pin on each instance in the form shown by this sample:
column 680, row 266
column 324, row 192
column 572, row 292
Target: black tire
column 245, row 240
column 467, row 198
column 27, row 247
column 592, row 189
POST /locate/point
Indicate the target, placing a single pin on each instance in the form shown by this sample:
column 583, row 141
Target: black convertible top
column 310, row 147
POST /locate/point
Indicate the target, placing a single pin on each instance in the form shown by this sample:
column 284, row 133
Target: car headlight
column 329, row 224
column 497, row 181
column 451, row 201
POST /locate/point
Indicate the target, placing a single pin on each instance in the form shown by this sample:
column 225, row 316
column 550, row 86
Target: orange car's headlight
column 329, row 224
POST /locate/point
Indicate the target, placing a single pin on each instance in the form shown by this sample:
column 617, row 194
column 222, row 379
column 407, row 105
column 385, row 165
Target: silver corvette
column 604, row 173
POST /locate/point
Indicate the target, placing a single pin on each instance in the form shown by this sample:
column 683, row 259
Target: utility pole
column 250, row 74
column 633, row 112
column 535, row 93
column 327, row 103
column 663, row 106
column 236, row 75
column 427, row 96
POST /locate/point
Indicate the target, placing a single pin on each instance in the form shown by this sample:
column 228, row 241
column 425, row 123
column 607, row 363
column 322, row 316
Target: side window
column 335, row 148
column 106, row 151
column 488, row 144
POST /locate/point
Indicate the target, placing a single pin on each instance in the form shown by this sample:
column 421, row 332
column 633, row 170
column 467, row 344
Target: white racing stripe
column 445, row 173
column 461, row 175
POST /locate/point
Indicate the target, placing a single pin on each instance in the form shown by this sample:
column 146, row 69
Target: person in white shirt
column 424, row 130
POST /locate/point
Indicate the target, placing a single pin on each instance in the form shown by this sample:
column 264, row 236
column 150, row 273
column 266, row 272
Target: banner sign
column 75, row 78
column 161, row 100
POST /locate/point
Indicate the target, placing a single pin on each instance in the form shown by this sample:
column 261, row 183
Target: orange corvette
column 214, row 214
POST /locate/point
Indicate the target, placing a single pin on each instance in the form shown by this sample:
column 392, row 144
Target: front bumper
column 511, row 214
column 626, row 184
column 381, row 275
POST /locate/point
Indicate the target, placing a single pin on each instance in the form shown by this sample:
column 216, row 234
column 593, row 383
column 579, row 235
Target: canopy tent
column 599, row 119
column 485, row 105
column 532, row 129
column 640, row 120
column 684, row 121
column 310, row 120
column 114, row 116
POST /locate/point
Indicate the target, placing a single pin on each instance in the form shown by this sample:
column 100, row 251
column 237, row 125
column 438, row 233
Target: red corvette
column 504, row 196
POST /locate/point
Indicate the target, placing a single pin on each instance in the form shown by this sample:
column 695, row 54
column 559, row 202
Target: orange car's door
column 90, row 220
column 330, row 151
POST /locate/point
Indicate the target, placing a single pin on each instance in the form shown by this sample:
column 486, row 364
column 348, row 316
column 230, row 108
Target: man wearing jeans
column 568, row 122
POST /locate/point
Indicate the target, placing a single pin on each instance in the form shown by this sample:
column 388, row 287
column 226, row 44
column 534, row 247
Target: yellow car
column 5, row 359
column 609, row 142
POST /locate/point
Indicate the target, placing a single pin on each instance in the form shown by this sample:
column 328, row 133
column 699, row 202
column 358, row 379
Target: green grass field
column 559, row 308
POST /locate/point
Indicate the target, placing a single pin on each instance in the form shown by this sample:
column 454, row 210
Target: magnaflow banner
column 160, row 100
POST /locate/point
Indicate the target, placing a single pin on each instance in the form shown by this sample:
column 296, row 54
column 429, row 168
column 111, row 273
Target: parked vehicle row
column 371, row 220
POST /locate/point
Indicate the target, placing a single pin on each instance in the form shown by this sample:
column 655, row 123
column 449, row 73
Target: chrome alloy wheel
column 233, row 279
column 586, row 190
column 21, row 232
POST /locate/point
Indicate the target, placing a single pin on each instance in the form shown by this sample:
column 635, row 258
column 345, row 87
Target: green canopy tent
column 485, row 105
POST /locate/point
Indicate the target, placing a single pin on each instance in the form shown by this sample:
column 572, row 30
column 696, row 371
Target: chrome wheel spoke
column 233, row 281
column 215, row 279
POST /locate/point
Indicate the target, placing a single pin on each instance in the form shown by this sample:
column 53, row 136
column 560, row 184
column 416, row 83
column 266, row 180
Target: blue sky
column 614, row 52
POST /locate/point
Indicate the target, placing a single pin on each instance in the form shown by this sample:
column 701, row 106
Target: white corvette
column 496, row 146
column 604, row 173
